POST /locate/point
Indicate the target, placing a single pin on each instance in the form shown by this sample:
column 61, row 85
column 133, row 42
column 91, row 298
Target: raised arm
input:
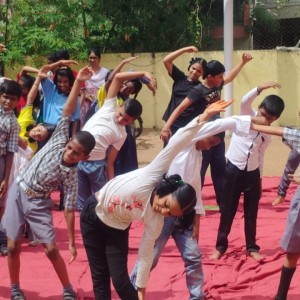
column 42, row 73
column 268, row 85
column 119, row 79
column 84, row 74
column 236, row 70
column 62, row 63
column 28, row 69
column 168, row 60
column 117, row 70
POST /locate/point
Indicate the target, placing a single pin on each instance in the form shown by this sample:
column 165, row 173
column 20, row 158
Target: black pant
column 237, row 181
column 215, row 157
column 107, row 251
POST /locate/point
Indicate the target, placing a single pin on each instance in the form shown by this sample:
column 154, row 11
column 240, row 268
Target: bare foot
column 216, row 255
column 279, row 199
column 256, row 256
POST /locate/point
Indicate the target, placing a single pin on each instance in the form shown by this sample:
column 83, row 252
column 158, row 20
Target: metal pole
column 228, row 50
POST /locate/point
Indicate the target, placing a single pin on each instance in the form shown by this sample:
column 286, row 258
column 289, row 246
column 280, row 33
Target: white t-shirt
column 103, row 127
column 127, row 197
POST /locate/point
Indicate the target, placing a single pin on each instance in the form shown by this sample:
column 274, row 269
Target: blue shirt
column 54, row 103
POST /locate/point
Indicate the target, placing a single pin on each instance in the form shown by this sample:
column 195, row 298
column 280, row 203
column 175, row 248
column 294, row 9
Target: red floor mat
column 234, row 276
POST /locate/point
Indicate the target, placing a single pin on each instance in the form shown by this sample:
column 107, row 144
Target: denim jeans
column 91, row 178
column 190, row 254
column 290, row 168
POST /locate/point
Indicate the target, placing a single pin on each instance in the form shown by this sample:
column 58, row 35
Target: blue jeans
column 190, row 254
column 91, row 178
column 290, row 168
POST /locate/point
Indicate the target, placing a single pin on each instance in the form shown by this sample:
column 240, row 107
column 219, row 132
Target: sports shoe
column 18, row 296
column 3, row 249
column 69, row 296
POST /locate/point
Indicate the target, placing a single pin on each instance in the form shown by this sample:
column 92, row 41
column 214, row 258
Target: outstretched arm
column 168, row 60
column 119, row 79
column 84, row 74
column 274, row 130
column 236, row 70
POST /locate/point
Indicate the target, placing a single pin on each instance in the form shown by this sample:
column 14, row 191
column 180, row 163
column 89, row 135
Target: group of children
column 165, row 194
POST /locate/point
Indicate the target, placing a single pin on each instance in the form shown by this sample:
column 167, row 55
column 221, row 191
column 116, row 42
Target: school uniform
column 9, row 137
column 245, row 157
column 290, row 241
column 29, row 198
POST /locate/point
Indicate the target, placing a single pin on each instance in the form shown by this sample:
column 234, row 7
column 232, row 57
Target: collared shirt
column 54, row 103
column 9, row 132
column 291, row 137
column 247, row 152
column 45, row 170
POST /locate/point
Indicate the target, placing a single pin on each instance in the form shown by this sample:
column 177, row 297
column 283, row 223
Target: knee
column 192, row 257
column 13, row 249
column 51, row 251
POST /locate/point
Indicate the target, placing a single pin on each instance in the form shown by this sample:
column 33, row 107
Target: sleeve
column 182, row 137
column 291, row 137
column 177, row 74
column 239, row 124
column 195, row 95
column 146, row 250
column 13, row 139
column 61, row 132
column 246, row 103
column 70, row 190
column 47, row 84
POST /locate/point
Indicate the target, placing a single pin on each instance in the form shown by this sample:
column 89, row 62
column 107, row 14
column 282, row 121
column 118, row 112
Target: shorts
column 36, row 212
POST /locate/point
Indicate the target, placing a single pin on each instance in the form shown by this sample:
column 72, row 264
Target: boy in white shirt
column 107, row 125
column 245, row 157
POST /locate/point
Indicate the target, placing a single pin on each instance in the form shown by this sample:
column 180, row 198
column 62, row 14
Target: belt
column 31, row 193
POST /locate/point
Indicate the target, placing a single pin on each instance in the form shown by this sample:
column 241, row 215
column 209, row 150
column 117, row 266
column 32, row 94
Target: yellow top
column 102, row 96
column 25, row 119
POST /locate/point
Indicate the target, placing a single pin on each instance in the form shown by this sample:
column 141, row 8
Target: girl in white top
column 143, row 194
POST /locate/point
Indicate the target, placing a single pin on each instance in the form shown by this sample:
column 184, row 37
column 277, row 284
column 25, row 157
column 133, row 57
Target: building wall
column 267, row 65
column 289, row 10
